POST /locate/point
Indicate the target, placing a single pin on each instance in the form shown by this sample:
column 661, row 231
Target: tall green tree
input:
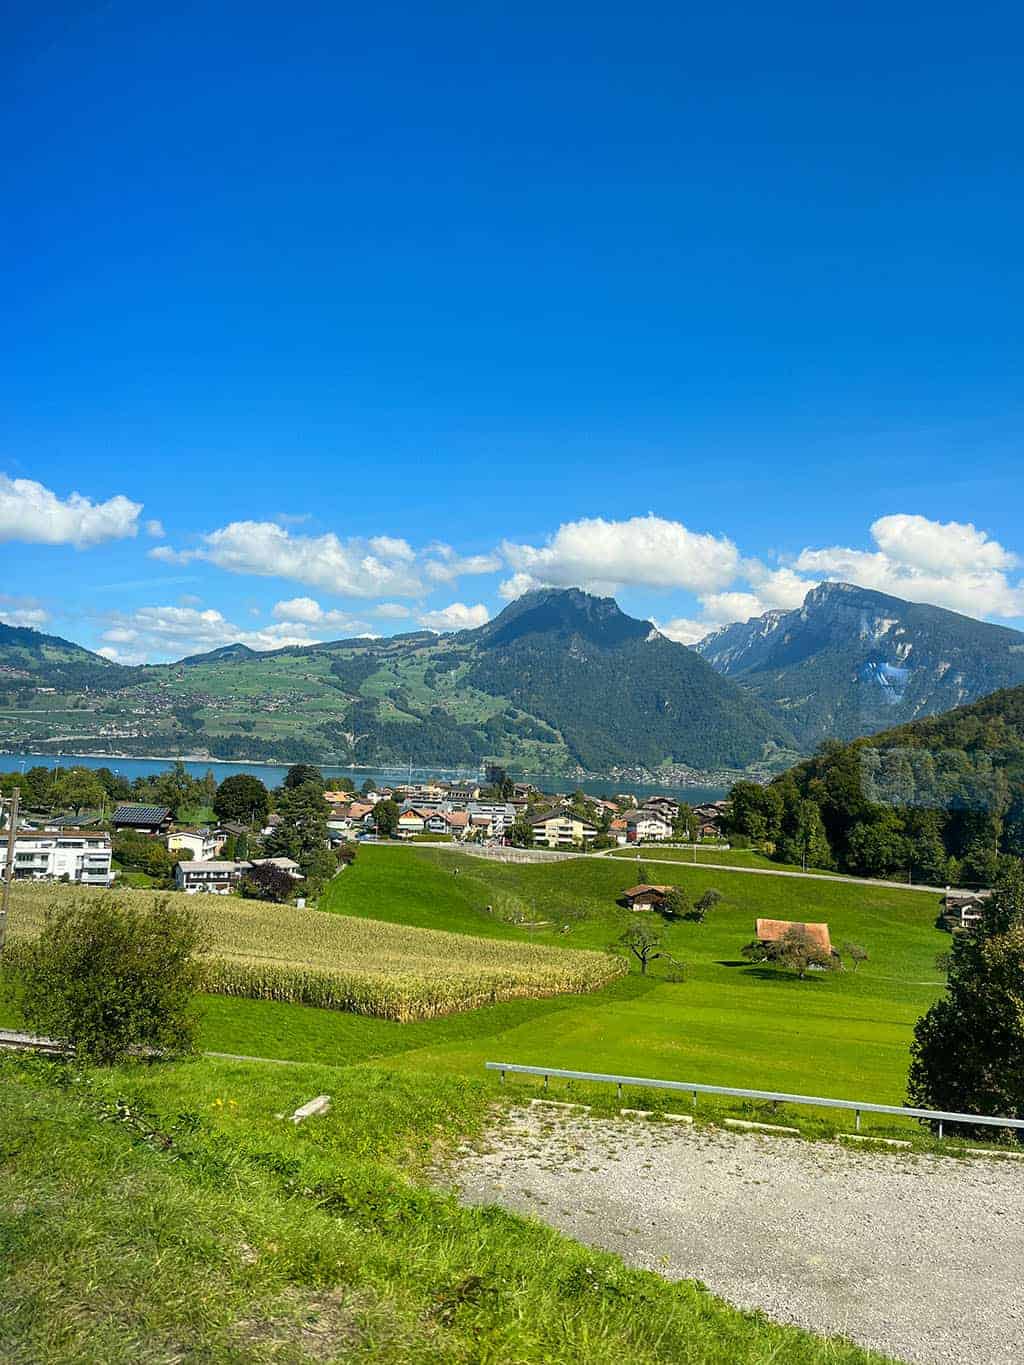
column 241, row 798
column 968, row 1050
column 385, row 818
column 77, row 789
column 301, row 775
column 302, row 831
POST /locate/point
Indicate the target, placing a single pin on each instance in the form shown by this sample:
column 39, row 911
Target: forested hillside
column 941, row 799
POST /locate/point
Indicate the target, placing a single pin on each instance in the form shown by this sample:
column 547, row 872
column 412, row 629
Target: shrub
column 107, row 976
column 266, row 882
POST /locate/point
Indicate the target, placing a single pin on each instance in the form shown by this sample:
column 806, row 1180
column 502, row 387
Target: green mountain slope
column 558, row 680
column 851, row 661
column 941, row 798
column 30, row 659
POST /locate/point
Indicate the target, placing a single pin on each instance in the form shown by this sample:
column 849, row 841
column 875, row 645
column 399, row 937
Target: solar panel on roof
column 141, row 815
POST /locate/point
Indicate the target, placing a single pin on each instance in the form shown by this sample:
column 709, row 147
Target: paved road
column 921, row 1258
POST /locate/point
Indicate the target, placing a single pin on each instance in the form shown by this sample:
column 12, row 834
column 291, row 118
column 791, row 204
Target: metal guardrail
column 857, row 1107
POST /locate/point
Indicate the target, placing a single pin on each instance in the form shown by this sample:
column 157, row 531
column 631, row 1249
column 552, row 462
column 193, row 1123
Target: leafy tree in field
column 368, row 786
column 796, row 952
column 302, row 831
column 968, row 1050
column 77, row 789
column 704, row 904
column 521, row 832
column 385, row 818
column 675, row 904
column 643, row 877
column 855, row 953
column 107, row 976
column 346, row 854
column 242, row 798
column 265, row 882
column 302, row 774
column 643, row 939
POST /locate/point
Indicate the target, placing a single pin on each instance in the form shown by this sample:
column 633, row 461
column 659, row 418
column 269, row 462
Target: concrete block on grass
column 562, row 1105
column 866, row 1137
column 749, row 1126
column 320, row 1105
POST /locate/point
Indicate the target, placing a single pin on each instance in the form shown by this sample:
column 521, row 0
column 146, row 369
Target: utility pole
column 12, row 834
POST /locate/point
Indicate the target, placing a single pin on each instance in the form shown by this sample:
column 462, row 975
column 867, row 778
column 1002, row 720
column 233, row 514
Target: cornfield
column 390, row 971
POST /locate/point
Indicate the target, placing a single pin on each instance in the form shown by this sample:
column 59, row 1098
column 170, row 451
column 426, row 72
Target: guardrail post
column 545, row 1081
column 940, row 1130
column 618, row 1089
column 503, row 1075
column 856, row 1120
column 695, row 1099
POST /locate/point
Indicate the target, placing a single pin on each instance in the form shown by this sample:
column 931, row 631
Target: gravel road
column 921, row 1258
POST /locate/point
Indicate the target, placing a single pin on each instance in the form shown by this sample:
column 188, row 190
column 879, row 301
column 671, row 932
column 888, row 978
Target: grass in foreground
column 163, row 1214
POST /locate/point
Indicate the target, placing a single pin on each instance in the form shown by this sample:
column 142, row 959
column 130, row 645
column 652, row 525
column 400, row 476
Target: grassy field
column 279, row 953
column 724, row 857
column 729, row 1022
column 162, row 1213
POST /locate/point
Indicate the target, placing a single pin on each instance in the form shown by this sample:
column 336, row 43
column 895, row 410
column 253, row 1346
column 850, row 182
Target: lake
column 273, row 774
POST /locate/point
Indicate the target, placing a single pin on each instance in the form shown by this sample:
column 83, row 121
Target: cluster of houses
column 459, row 811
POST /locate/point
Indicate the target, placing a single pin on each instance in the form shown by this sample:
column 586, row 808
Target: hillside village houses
column 458, row 811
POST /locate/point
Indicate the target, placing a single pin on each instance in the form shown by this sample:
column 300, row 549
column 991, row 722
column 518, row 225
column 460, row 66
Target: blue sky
column 333, row 319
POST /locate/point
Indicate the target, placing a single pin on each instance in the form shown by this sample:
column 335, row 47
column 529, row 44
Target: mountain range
column 851, row 661
column 559, row 681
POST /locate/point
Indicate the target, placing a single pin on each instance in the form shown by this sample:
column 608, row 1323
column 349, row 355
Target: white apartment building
column 76, row 855
column 647, row 827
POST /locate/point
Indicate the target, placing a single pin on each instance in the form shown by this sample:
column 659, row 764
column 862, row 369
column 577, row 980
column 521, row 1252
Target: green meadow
column 844, row 1034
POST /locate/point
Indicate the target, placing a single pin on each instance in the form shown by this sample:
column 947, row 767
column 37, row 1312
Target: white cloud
column 643, row 551
column 684, row 630
column 160, row 633
column 390, row 611
column 32, row 513
column 352, row 568
column 166, row 555
column 310, row 612
column 155, row 529
column 948, row 564
column 446, row 566
column 517, row 585
column 22, row 611
column 455, row 617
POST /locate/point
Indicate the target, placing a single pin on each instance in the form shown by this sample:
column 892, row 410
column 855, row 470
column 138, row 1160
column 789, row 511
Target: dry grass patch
column 391, row 971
